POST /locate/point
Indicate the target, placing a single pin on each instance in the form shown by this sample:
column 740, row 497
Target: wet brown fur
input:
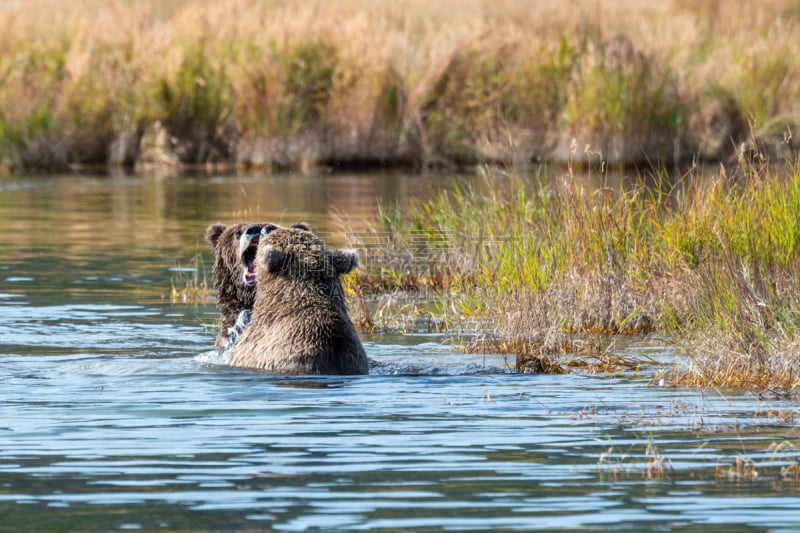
column 234, row 295
column 300, row 323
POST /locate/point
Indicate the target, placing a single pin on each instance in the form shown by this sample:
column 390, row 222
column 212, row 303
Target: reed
column 192, row 284
column 280, row 84
column 543, row 265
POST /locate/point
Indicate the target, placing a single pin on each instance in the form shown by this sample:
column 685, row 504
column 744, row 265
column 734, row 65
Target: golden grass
column 190, row 293
column 287, row 83
column 192, row 285
column 742, row 469
column 654, row 465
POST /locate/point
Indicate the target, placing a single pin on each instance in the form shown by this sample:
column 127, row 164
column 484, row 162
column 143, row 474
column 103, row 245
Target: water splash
column 236, row 331
column 422, row 359
column 212, row 358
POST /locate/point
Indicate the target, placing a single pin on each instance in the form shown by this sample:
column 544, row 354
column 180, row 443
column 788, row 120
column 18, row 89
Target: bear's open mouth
column 249, row 261
column 248, row 248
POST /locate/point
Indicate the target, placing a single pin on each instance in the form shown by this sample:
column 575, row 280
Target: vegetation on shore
column 546, row 266
column 278, row 83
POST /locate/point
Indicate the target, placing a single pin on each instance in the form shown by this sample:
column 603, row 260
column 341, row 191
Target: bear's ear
column 273, row 259
column 302, row 226
column 213, row 232
column 344, row 261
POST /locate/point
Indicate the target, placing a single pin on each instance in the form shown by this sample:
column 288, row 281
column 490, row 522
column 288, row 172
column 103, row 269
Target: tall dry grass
column 279, row 83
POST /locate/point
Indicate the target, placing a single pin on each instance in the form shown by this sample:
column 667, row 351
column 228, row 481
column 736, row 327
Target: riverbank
column 278, row 85
column 546, row 266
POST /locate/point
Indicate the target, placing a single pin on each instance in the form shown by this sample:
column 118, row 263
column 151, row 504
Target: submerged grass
column 544, row 266
column 192, row 284
column 280, row 84
column 777, row 463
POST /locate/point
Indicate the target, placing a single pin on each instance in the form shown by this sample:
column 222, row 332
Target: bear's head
column 299, row 254
column 235, row 252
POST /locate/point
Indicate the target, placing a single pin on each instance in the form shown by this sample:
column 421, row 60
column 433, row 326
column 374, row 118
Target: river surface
column 115, row 415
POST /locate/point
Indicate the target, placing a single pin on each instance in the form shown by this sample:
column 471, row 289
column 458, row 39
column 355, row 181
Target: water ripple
column 116, row 413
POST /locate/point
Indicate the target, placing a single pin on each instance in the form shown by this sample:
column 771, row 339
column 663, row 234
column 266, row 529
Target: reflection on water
column 153, row 223
column 115, row 416
column 91, row 213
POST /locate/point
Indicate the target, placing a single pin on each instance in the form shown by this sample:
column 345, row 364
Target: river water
column 115, row 415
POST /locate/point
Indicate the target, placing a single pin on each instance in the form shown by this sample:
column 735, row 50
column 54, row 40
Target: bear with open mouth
column 234, row 274
column 299, row 322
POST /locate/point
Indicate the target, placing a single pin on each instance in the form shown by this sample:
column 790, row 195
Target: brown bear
column 234, row 272
column 299, row 323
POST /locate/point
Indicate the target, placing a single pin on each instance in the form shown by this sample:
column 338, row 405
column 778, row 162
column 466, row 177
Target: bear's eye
column 238, row 233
